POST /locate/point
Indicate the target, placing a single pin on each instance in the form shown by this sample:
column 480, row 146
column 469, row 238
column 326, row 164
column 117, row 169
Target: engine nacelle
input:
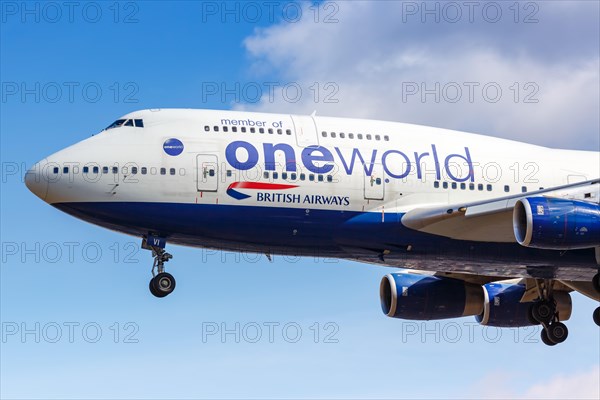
column 503, row 307
column 556, row 224
column 426, row 297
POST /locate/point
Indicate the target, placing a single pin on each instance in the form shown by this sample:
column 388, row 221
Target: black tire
column 530, row 318
column 597, row 316
column 164, row 284
column 596, row 282
column 545, row 339
column 543, row 311
column 153, row 290
column 558, row 332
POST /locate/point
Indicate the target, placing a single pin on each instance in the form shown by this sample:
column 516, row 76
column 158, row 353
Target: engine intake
column 556, row 224
column 503, row 307
column 426, row 297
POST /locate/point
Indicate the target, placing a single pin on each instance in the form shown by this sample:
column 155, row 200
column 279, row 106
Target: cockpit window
column 115, row 124
column 138, row 123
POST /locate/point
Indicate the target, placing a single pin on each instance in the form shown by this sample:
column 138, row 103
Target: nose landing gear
column 162, row 283
column 596, row 284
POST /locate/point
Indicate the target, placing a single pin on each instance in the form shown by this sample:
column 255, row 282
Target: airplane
column 475, row 225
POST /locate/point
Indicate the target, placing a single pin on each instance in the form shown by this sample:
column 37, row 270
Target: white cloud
column 580, row 385
column 375, row 59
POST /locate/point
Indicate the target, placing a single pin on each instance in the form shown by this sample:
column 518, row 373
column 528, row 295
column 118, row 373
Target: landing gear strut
column 162, row 283
column 544, row 312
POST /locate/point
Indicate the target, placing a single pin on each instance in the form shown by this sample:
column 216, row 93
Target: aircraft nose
column 36, row 179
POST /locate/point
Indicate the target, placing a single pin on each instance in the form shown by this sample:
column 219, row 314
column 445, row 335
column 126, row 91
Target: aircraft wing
column 489, row 220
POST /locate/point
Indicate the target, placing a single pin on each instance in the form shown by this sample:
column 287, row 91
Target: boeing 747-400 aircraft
column 480, row 226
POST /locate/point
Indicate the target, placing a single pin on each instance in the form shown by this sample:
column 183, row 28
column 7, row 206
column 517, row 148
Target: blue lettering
column 288, row 151
column 309, row 158
column 231, row 155
column 406, row 163
column 356, row 153
column 470, row 174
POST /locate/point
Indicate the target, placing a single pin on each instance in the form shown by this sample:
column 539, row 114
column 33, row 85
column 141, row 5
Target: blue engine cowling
column 556, row 224
column 426, row 297
column 503, row 307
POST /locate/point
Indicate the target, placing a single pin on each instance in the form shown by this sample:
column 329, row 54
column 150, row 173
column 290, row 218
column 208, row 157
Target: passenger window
column 105, row 170
column 288, row 131
column 351, row 136
column 369, row 136
column 216, row 128
column 279, row 132
column 342, row 135
column 243, row 129
column 225, row 129
column 386, row 138
column 436, row 184
column 96, row 170
column 55, row 170
column 454, row 186
column 471, row 186
column 206, row 128
column 321, row 178
column 115, row 170
column 163, row 171
column 377, row 137
column 133, row 170
column 324, row 134
column 333, row 135
column 252, row 130
column 329, row 178
column 65, row 170
column 275, row 175
column 229, row 173
column 506, row 188
column 144, row 170
column 266, row 175
column 378, row 181
column 211, row 172
column 293, row 176
column 261, row 130
column 480, row 186
column 302, row 177
column 234, row 129
column 445, row 185
column 311, row 177
column 359, row 136
column 489, row 188
column 270, row 131
column 524, row 189
column 284, row 175
column 463, row 186
column 86, row 170
column 172, row 171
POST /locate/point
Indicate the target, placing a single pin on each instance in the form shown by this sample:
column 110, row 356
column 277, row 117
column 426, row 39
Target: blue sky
column 349, row 59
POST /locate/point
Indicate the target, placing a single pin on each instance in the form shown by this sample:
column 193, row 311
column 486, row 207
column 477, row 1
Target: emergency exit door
column 208, row 178
column 375, row 183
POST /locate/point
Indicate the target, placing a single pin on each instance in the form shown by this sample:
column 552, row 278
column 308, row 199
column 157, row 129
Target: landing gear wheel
column 596, row 282
column 543, row 311
column 163, row 284
column 153, row 290
column 545, row 339
column 530, row 318
column 597, row 316
column 557, row 332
